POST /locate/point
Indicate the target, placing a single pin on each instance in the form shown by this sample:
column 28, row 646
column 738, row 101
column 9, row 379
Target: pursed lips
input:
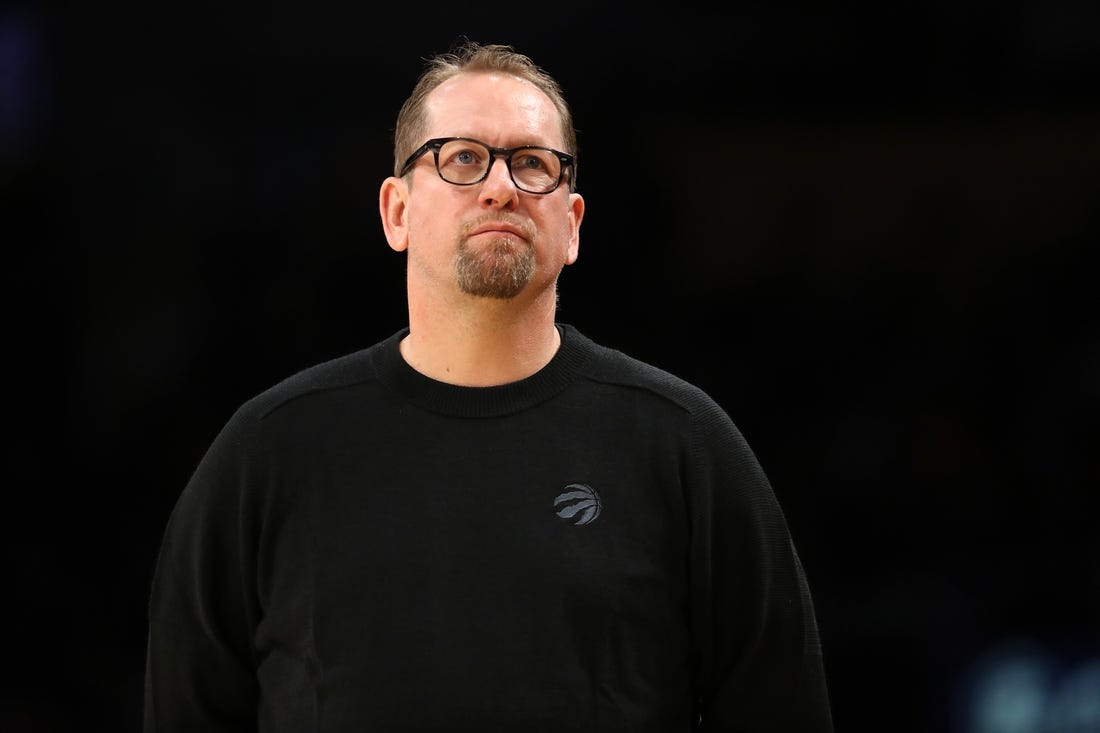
column 498, row 228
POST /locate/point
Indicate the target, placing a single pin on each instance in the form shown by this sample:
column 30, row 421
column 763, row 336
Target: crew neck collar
column 462, row 401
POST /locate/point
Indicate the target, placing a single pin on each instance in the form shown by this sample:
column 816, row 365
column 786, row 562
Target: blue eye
column 529, row 161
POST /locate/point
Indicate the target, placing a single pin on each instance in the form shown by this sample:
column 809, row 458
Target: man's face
column 490, row 239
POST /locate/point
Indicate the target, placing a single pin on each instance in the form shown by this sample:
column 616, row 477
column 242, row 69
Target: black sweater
column 593, row 548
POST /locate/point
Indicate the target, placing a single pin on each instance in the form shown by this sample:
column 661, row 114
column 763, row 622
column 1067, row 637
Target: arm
column 756, row 638
column 200, row 669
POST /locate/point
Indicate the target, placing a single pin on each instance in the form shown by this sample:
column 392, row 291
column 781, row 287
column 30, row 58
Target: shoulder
column 614, row 367
column 661, row 400
column 316, row 382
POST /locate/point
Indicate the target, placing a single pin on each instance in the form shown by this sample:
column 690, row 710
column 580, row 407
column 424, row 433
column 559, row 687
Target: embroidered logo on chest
column 578, row 504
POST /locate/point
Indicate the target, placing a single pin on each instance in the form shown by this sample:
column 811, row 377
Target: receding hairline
column 465, row 74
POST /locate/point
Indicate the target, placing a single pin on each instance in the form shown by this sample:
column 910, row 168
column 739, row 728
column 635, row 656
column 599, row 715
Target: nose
column 498, row 190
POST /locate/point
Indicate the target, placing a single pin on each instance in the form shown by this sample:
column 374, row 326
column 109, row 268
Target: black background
column 870, row 232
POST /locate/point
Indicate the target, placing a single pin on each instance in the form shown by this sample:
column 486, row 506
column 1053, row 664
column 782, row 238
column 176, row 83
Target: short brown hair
column 470, row 56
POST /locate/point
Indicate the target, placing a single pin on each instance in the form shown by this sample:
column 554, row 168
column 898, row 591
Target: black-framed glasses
column 464, row 161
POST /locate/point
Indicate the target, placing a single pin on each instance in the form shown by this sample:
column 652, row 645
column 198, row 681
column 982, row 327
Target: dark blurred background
column 870, row 232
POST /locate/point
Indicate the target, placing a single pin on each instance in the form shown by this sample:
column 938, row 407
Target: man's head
column 481, row 198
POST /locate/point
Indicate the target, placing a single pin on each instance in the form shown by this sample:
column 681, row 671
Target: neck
column 482, row 342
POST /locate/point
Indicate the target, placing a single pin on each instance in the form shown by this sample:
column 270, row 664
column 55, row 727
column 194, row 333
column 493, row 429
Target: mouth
column 501, row 224
column 498, row 228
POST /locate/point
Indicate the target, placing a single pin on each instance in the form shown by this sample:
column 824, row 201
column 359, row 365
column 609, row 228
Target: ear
column 393, row 199
column 576, row 213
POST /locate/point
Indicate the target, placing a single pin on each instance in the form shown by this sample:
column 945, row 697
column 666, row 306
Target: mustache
column 523, row 226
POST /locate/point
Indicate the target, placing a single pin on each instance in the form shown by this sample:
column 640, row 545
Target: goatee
column 500, row 269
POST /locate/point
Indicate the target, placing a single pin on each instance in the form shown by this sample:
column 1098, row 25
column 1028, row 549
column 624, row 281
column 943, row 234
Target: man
column 485, row 522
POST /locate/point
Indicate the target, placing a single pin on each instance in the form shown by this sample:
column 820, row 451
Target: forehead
column 497, row 108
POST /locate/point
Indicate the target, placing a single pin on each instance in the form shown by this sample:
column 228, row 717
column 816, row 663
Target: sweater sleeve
column 756, row 638
column 200, row 668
